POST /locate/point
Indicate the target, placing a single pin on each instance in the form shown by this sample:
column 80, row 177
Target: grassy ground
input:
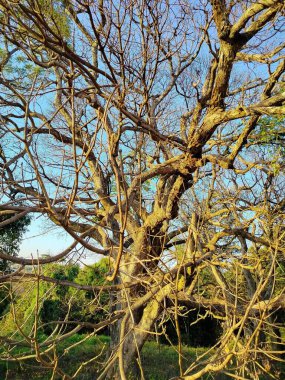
column 159, row 361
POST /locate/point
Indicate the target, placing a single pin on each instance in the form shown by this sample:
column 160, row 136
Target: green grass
column 159, row 361
column 70, row 352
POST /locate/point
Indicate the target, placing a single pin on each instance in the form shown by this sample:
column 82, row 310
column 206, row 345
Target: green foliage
column 272, row 134
column 51, row 310
column 20, row 311
column 64, row 272
column 11, row 236
column 94, row 274
column 77, row 303
column 53, row 11
column 271, row 128
column 58, row 301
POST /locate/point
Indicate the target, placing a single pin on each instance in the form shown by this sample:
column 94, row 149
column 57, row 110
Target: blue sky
column 42, row 238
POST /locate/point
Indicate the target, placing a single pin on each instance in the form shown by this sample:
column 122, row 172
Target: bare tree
column 138, row 126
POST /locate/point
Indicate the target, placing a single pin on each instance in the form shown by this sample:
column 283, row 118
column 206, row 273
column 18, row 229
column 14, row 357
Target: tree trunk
column 133, row 331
